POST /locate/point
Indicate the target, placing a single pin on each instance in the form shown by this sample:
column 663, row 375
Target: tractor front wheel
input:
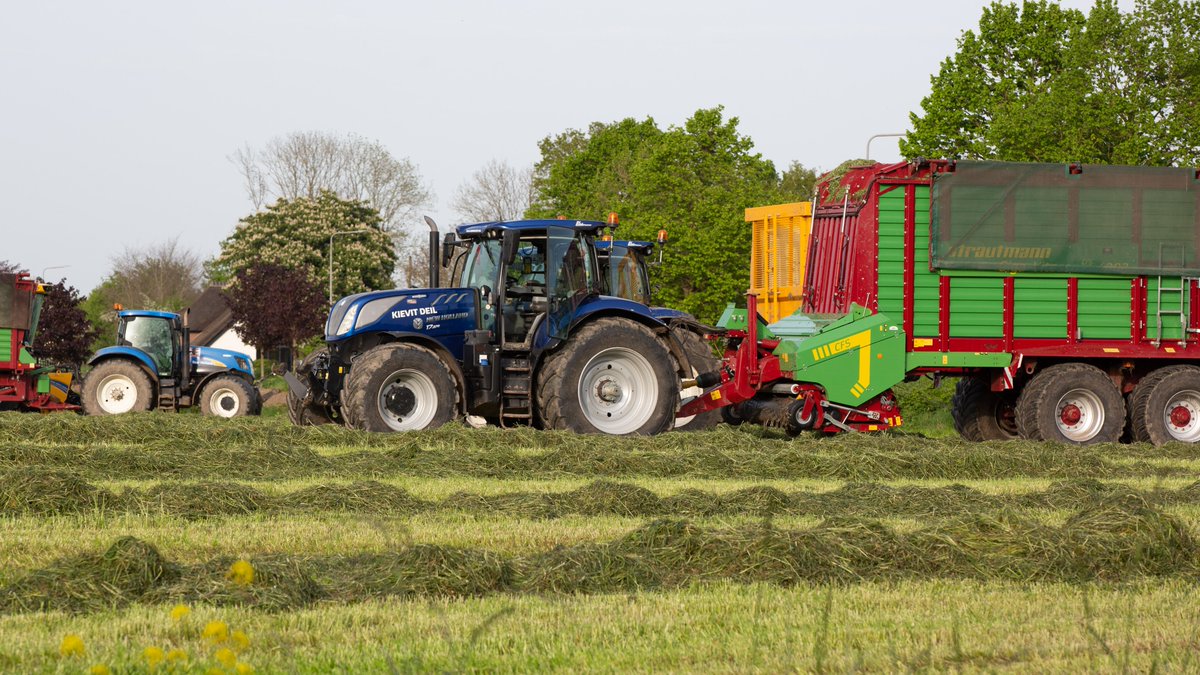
column 613, row 376
column 117, row 386
column 399, row 387
column 228, row 396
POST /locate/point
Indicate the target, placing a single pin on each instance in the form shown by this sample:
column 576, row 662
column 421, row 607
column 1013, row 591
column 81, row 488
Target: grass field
column 321, row 549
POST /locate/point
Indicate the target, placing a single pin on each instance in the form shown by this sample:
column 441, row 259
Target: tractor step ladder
column 168, row 398
column 516, row 395
column 1182, row 312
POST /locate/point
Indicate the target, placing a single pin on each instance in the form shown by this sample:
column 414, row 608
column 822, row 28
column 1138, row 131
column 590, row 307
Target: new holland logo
column 860, row 341
column 418, row 323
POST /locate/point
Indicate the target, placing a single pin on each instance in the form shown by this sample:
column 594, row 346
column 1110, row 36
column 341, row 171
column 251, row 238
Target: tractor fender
column 627, row 309
column 389, row 337
column 130, row 353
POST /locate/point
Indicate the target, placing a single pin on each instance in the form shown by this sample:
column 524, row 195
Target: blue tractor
column 153, row 366
column 527, row 336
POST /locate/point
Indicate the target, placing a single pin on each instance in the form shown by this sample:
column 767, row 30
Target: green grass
column 715, row 551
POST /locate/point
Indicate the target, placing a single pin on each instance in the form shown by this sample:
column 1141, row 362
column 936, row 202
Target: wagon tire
column 115, row 387
column 1071, row 403
column 1165, row 406
column 981, row 414
column 228, row 396
column 312, row 414
column 703, row 361
column 613, row 376
column 399, row 387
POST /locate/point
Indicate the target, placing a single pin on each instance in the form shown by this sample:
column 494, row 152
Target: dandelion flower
column 178, row 612
column 216, row 632
column 214, row 671
column 153, row 656
column 239, row 639
column 177, row 656
column 72, row 645
column 226, row 656
column 243, row 668
column 99, row 669
column 241, row 573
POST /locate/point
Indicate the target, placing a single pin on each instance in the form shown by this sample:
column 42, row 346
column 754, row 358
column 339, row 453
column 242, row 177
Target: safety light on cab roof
column 662, row 236
column 613, row 221
column 117, row 307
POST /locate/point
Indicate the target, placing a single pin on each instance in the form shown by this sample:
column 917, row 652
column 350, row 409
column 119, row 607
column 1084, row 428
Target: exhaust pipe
column 434, row 248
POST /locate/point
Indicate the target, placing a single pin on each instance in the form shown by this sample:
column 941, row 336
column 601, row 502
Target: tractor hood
column 425, row 311
column 209, row 359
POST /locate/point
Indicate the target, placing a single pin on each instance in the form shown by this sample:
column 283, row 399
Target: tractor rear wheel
column 228, row 396
column 399, row 387
column 117, row 386
column 1165, row 406
column 1071, row 403
column 613, row 376
column 981, row 414
column 702, row 361
column 311, row 414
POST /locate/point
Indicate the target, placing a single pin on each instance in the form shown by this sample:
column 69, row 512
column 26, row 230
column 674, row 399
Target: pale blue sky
column 117, row 118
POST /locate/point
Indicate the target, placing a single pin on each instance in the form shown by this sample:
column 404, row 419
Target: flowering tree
column 295, row 234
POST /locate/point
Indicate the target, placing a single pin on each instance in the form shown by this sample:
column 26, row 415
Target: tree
column 295, row 234
column 7, row 267
column 495, row 192
column 64, row 336
column 798, row 182
column 161, row 276
column 274, row 305
column 695, row 181
column 305, row 163
column 1043, row 83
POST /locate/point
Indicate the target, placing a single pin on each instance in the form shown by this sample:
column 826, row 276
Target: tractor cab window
column 483, row 263
column 570, row 277
column 152, row 335
column 626, row 277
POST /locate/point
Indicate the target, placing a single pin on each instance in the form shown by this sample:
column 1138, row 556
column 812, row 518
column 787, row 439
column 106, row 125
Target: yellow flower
column 239, row 639
column 178, row 612
column 177, row 656
column 72, row 645
column 241, row 573
column 153, row 656
column 244, row 668
column 214, row 671
column 99, row 669
column 226, row 656
column 216, row 631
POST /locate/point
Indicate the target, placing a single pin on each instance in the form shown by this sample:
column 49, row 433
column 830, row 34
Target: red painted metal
column 944, row 313
column 1180, row 416
column 910, row 263
column 1010, row 312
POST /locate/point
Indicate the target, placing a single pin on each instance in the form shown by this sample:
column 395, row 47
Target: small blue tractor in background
column 527, row 336
column 153, row 366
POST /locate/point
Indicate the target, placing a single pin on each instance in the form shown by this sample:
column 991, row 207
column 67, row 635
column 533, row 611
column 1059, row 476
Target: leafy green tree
column 693, row 180
column 797, row 183
column 1039, row 82
column 295, row 234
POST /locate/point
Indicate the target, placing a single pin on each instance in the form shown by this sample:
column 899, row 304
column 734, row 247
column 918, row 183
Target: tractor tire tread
column 1140, row 426
column 1034, row 398
column 355, row 388
column 249, row 394
column 142, row 382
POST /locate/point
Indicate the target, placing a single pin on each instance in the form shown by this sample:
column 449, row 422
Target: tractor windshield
column 625, row 274
column 152, row 335
column 483, row 262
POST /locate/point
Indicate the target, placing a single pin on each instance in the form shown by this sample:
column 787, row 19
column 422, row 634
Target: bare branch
column 495, row 192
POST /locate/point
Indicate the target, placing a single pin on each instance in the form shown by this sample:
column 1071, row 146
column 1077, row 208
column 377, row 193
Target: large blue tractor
column 154, row 366
column 527, row 336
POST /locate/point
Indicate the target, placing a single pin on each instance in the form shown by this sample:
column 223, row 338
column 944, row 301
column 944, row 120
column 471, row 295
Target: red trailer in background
column 24, row 385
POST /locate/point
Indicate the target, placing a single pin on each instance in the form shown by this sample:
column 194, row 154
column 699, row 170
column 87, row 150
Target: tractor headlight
column 347, row 321
column 244, row 364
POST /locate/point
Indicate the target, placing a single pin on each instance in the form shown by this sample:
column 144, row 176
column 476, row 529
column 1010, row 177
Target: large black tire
column 981, row 414
column 398, row 387
column 117, row 386
column 1165, row 406
column 613, row 376
column 1071, row 403
column 701, row 357
column 228, row 396
column 311, row 414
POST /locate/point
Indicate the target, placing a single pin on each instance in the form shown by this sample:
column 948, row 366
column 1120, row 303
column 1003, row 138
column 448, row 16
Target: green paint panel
column 1173, row 302
column 927, row 289
column 891, row 253
column 1040, row 307
column 1104, row 309
column 977, row 307
column 5, row 345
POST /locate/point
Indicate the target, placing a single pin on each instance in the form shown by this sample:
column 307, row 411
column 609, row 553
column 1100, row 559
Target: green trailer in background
column 1062, row 295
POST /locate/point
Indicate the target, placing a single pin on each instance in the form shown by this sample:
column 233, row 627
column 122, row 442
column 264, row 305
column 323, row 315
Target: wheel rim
column 1181, row 416
column 407, row 400
column 116, row 394
column 225, row 402
column 618, row 391
column 1079, row 415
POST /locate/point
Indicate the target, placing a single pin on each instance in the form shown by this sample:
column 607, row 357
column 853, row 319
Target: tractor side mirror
column 448, row 244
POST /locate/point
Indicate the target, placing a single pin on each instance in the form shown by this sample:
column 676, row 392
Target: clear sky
column 117, row 118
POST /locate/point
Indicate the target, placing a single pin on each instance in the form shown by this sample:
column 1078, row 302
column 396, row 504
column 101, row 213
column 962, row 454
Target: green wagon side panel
column 1104, row 308
column 1175, row 300
column 926, row 289
column 977, row 307
column 1040, row 307
column 891, row 253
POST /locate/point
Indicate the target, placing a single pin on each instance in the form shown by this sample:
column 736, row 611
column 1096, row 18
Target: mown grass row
column 36, row 491
column 1118, row 539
